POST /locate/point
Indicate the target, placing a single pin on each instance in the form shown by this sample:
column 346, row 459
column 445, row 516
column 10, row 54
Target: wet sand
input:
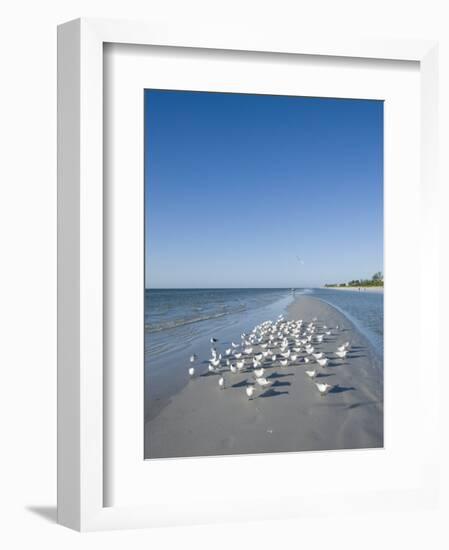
column 202, row 420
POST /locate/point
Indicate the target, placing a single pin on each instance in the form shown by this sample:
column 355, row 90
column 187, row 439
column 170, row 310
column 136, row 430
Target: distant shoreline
column 356, row 288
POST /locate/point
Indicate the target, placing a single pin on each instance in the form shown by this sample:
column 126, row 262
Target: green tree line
column 376, row 280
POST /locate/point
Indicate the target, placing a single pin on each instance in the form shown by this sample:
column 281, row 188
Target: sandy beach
column 202, row 420
column 356, row 288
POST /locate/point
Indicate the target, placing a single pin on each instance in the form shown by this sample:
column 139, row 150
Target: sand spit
column 291, row 415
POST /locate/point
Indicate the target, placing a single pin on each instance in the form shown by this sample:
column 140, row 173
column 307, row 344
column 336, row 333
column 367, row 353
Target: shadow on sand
column 278, row 384
column 278, row 375
column 241, row 384
column 341, row 389
column 357, row 405
column 272, row 393
column 336, row 363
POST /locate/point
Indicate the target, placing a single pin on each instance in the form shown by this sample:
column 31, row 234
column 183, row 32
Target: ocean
column 364, row 309
column 180, row 322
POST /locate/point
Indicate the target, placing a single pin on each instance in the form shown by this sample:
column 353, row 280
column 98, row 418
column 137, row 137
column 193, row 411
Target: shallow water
column 364, row 309
column 174, row 318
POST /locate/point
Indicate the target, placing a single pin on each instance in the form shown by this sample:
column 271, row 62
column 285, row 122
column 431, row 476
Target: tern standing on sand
column 323, row 388
column 263, row 382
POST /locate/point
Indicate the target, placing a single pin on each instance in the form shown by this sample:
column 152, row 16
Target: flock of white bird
column 281, row 343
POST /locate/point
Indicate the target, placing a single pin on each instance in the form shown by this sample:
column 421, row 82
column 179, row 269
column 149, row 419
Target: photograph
column 264, row 274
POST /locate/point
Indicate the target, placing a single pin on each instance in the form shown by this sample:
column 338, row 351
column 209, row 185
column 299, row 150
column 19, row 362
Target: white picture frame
column 81, row 406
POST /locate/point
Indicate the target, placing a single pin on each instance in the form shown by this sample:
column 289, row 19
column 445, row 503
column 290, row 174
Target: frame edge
column 79, row 466
column 68, row 267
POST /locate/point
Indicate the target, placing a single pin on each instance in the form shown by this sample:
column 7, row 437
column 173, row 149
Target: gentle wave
column 181, row 322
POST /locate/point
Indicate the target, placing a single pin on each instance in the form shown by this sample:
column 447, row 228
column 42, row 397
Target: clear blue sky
column 238, row 187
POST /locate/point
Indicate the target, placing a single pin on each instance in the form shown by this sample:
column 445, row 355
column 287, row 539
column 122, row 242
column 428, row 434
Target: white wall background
column 28, row 270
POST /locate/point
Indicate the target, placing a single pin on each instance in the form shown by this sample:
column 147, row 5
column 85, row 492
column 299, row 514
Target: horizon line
column 230, row 287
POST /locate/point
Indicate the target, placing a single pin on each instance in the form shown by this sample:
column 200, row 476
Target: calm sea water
column 181, row 322
column 174, row 318
column 365, row 309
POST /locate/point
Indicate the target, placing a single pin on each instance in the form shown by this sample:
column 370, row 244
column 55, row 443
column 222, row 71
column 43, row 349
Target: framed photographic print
column 230, row 212
column 254, row 205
